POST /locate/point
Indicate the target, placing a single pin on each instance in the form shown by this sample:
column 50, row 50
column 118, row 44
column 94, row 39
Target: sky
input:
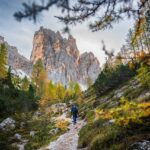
column 20, row 34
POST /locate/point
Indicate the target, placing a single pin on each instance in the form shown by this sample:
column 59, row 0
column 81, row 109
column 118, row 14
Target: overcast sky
column 20, row 34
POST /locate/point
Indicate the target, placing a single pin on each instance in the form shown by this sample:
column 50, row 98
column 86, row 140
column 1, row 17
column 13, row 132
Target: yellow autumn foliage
column 62, row 124
column 126, row 112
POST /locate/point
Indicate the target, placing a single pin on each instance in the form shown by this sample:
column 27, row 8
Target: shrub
column 105, row 139
column 62, row 124
column 88, row 132
column 41, row 126
column 144, row 76
column 126, row 112
column 117, row 147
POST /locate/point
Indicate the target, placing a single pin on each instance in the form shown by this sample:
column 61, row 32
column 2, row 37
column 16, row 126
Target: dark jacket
column 74, row 111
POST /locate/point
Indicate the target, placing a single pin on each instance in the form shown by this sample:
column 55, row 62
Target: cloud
column 21, row 34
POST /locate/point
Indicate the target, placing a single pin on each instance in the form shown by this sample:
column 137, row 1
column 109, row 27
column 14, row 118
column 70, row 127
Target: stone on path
column 67, row 141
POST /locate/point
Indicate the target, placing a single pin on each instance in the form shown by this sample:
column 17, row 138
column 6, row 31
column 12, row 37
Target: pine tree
column 31, row 92
column 147, row 17
column 9, row 78
column 25, row 84
column 3, row 61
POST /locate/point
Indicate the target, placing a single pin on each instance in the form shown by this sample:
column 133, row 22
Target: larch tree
column 101, row 13
column 25, row 83
column 39, row 76
column 3, row 61
column 60, row 91
column 77, row 89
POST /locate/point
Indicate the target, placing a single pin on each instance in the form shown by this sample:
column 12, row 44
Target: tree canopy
column 102, row 13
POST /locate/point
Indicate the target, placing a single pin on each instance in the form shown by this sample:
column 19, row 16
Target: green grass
column 97, row 136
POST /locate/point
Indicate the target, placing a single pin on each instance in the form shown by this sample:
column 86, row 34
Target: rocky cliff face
column 15, row 60
column 61, row 58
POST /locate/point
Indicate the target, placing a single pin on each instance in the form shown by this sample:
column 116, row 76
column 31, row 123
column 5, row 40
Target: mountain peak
column 62, row 58
column 15, row 60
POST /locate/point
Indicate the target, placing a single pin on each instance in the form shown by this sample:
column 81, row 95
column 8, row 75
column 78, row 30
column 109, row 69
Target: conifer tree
column 3, row 61
column 31, row 92
column 25, row 84
column 60, row 91
column 39, row 76
column 9, row 78
column 77, row 89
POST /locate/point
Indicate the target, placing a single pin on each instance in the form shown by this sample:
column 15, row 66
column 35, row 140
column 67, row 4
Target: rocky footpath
column 67, row 141
column 23, row 132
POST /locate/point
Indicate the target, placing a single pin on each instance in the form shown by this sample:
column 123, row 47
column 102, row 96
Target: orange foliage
column 127, row 112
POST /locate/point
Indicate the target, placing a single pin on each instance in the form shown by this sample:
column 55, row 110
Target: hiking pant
column 74, row 118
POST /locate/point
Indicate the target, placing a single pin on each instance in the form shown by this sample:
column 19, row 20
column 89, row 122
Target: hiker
column 74, row 112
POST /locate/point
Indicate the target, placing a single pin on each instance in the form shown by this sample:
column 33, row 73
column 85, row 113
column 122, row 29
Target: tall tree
column 60, row 91
column 31, row 91
column 9, row 78
column 39, row 76
column 25, row 83
column 77, row 89
column 49, row 92
column 3, row 61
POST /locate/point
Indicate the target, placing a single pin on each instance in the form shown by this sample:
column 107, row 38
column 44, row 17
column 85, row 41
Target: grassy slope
column 97, row 136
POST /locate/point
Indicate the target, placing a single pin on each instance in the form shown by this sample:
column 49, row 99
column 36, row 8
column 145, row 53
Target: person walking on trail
column 74, row 112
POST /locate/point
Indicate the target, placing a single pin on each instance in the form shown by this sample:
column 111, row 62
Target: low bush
column 144, row 76
column 88, row 132
column 106, row 138
column 62, row 124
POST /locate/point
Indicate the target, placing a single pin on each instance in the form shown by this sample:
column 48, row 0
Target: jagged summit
column 62, row 58
column 16, row 60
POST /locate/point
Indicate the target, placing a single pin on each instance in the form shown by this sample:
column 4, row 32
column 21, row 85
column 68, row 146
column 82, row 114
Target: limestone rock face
column 61, row 58
column 88, row 66
column 15, row 60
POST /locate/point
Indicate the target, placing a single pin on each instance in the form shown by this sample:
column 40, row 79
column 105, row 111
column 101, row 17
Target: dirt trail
column 67, row 141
